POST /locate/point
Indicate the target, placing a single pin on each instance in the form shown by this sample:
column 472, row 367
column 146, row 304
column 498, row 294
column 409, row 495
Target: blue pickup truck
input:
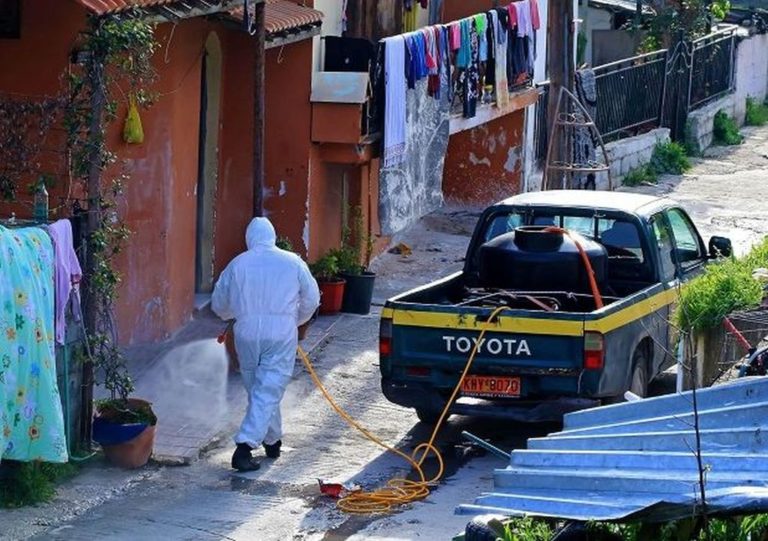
column 569, row 335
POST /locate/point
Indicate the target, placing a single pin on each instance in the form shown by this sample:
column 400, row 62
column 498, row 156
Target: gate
column 677, row 89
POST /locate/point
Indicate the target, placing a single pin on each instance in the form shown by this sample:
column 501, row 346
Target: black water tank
column 533, row 258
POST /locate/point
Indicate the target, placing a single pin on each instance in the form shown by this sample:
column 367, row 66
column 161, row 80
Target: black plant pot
column 358, row 293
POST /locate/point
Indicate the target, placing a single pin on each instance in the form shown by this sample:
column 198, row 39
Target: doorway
column 208, row 166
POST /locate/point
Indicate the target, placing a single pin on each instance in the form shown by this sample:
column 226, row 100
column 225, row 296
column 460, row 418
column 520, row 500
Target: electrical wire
column 399, row 491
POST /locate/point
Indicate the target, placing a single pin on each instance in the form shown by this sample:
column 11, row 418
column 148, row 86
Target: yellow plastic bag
column 133, row 133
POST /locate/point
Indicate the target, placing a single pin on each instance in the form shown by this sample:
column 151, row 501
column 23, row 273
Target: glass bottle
column 41, row 203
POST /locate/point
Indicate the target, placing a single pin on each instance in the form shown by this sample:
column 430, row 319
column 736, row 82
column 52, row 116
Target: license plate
column 490, row 386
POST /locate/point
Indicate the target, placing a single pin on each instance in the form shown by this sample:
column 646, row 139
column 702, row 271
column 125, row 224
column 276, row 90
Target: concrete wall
column 627, row 154
column 593, row 19
column 751, row 73
column 700, row 125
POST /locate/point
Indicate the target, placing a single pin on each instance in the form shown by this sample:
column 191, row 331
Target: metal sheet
column 636, row 460
column 340, row 87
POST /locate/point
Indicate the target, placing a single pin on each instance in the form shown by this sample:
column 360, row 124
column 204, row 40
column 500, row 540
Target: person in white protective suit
column 269, row 293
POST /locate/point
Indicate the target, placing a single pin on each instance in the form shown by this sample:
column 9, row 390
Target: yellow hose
column 398, row 491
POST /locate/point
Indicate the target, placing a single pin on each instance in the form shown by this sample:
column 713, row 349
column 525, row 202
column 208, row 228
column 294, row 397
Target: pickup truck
column 548, row 352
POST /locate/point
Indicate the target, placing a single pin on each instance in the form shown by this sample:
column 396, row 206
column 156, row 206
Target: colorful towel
column 31, row 420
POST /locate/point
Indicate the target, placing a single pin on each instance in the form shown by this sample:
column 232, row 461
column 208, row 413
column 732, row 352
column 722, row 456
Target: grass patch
column 667, row 159
column 724, row 287
column 726, row 131
column 757, row 113
column 31, row 483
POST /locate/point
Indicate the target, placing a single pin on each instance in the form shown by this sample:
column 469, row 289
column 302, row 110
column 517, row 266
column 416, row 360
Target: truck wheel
column 428, row 416
column 639, row 383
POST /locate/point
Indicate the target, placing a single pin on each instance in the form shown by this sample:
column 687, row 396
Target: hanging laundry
column 435, row 12
column 31, row 419
column 464, row 55
column 500, row 74
column 410, row 17
column 470, row 77
column 481, row 25
column 394, row 101
column 67, row 273
column 535, row 16
column 524, row 18
column 455, row 35
column 437, row 51
column 512, row 16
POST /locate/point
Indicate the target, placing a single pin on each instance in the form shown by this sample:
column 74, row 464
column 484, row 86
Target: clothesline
column 485, row 54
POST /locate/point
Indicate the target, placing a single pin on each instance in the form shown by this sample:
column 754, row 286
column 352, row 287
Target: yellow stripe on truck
column 437, row 320
column 552, row 327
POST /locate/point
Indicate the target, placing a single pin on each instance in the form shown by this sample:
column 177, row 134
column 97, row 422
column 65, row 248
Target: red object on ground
column 334, row 490
column 331, row 296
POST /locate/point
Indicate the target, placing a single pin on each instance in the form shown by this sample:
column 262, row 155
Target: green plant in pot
column 353, row 262
column 326, row 271
column 123, row 426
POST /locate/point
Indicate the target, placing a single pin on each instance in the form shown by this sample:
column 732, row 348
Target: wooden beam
column 259, row 132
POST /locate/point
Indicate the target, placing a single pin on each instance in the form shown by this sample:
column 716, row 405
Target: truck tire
column 428, row 416
column 639, row 382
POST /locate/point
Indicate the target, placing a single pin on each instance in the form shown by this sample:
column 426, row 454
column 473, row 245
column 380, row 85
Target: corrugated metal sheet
column 282, row 16
column 636, row 459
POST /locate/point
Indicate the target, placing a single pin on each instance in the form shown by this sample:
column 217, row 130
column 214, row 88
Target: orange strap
column 587, row 264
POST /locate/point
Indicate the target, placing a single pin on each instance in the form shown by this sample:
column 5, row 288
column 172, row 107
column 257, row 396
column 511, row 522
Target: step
column 670, row 461
column 740, row 440
column 635, row 481
column 744, row 415
column 752, row 390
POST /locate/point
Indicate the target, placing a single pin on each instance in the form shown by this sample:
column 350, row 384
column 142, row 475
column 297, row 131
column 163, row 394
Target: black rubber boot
column 242, row 460
column 273, row 451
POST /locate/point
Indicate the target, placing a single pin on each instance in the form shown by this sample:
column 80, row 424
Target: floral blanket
column 31, row 420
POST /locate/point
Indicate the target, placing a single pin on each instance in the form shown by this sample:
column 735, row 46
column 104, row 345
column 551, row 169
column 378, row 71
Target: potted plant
column 326, row 271
column 353, row 266
column 123, row 426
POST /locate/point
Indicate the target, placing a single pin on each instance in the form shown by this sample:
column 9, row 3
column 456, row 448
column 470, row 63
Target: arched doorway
column 208, row 163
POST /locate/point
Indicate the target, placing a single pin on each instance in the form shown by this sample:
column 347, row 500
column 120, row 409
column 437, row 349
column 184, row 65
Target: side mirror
column 720, row 247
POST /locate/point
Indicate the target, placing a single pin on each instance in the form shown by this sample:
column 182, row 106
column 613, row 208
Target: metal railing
column 712, row 68
column 630, row 93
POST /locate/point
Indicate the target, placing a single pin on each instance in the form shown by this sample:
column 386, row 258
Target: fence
column 654, row 90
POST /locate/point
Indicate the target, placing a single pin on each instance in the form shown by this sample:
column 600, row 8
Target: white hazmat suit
column 270, row 293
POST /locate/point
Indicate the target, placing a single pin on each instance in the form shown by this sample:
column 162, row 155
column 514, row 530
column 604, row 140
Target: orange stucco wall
column 484, row 164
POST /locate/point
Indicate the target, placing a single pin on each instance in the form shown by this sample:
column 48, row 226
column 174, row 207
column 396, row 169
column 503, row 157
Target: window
column 10, row 19
column 664, row 243
column 688, row 248
column 501, row 224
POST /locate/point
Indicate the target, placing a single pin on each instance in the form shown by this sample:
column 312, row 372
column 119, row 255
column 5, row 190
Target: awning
column 624, row 6
column 160, row 10
column 286, row 22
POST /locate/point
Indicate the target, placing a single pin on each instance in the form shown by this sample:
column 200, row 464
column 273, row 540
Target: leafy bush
column 284, row 243
column 723, row 288
column 641, row 175
column 31, row 483
column 757, row 113
column 669, row 159
column 326, row 269
column 726, row 131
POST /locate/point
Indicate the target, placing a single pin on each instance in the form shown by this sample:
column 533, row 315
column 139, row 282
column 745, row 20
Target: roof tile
column 283, row 15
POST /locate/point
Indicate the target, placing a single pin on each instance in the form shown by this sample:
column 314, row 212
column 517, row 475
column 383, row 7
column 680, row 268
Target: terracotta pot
column 134, row 453
column 331, row 296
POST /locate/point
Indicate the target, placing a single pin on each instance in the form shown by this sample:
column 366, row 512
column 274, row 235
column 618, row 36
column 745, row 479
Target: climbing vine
column 115, row 63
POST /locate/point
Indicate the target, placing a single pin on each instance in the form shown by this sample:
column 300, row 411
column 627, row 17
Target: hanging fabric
column 500, row 74
column 410, row 16
column 470, row 77
column 465, row 50
column 31, row 418
column 455, row 35
column 67, row 273
column 394, row 100
column 435, row 9
column 481, row 25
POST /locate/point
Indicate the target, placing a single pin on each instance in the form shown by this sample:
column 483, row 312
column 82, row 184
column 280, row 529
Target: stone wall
column 701, row 122
column 627, row 154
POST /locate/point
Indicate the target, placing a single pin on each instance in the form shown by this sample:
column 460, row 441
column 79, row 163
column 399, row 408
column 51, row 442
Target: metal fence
column 655, row 89
column 712, row 68
column 630, row 93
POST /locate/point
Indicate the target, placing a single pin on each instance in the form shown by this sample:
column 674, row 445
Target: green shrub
column 284, row 243
column 641, row 175
column 669, row 159
column 726, row 131
column 724, row 287
column 757, row 113
column 31, row 483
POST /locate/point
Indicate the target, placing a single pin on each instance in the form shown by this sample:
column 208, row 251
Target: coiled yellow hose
column 398, row 491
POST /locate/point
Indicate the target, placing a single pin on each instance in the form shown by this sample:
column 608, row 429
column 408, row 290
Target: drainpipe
column 259, row 88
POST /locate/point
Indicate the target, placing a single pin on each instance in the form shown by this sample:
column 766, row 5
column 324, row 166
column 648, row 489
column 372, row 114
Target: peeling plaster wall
column 485, row 164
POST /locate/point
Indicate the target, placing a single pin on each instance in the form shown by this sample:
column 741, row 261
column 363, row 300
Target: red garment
column 512, row 16
column 455, row 36
column 431, row 61
column 535, row 20
column 433, row 83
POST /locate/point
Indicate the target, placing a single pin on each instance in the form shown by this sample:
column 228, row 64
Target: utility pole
column 560, row 63
column 259, row 90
